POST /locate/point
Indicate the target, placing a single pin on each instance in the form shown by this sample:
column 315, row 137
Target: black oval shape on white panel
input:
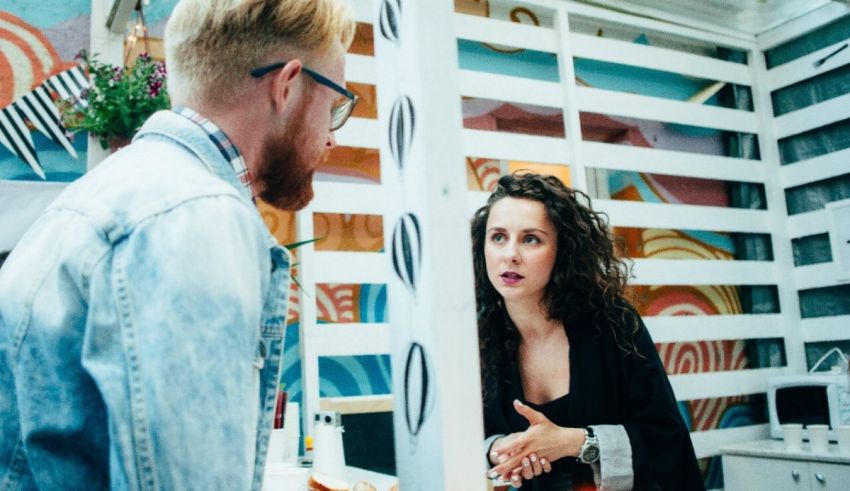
column 407, row 250
column 402, row 124
column 390, row 18
column 418, row 392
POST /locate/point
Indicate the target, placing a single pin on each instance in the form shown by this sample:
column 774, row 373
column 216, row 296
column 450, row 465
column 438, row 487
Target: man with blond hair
column 142, row 315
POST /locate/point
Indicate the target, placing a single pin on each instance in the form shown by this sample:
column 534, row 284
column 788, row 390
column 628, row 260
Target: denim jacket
column 141, row 326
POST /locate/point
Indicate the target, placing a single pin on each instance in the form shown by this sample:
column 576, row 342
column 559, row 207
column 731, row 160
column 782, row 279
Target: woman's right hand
column 543, row 438
column 531, row 466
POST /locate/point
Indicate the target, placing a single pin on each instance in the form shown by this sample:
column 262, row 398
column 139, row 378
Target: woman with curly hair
column 575, row 395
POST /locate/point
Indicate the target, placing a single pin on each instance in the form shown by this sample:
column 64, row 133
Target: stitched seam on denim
column 264, row 422
column 142, row 450
column 277, row 302
column 16, row 466
column 88, row 268
column 128, row 228
column 143, row 453
column 142, row 221
column 102, row 229
column 22, row 329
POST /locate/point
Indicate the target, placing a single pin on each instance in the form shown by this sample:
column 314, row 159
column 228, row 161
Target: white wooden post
column 109, row 46
column 783, row 256
column 307, row 323
column 572, row 123
column 436, row 383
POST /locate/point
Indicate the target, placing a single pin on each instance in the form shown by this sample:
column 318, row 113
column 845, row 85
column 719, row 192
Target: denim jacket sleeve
column 180, row 373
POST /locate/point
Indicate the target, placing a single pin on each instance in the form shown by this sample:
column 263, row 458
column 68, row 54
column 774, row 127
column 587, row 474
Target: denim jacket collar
column 171, row 126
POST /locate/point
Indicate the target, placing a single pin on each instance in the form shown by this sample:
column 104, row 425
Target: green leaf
column 296, row 245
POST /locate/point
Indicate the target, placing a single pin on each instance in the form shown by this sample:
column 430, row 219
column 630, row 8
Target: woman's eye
column 498, row 238
column 531, row 239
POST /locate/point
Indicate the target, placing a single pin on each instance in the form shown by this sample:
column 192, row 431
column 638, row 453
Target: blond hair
column 211, row 45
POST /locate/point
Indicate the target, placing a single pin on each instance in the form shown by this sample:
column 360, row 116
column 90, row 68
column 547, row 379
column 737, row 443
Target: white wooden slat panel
column 360, row 68
column 815, row 276
column 336, row 197
column 500, row 32
column 709, row 443
column 615, row 103
column 358, row 132
column 835, row 328
column 816, row 169
column 350, row 267
column 804, row 67
column 703, row 439
column 739, row 40
column 667, row 60
column 363, row 10
column 674, row 217
column 673, row 329
column 350, row 339
column 510, row 89
column 683, row 217
column 640, row 159
column 514, row 146
column 722, row 384
column 811, row 117
column 809, row 223
column 702, row 272
column 358, row 404
column 801, row 25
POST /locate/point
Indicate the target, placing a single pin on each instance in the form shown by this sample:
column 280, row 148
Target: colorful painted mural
column 33, row 144
column 38, row 45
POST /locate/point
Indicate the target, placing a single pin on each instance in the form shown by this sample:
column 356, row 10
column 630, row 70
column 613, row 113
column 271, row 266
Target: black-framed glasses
column 341, row 108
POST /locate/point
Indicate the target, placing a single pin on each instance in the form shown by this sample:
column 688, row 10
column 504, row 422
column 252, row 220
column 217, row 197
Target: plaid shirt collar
column 225, row 146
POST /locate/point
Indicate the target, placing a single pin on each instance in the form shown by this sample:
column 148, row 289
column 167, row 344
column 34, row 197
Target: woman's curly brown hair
column 587, row 277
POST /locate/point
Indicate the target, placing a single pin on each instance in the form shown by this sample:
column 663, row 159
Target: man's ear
column 283, row 84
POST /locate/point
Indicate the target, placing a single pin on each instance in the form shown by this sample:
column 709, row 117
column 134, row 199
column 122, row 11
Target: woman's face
column 519, row 248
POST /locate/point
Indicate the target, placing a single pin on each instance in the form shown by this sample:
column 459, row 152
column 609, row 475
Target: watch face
column 590, row 454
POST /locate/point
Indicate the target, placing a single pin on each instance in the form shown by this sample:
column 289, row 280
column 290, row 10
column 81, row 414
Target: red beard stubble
column 286, row 174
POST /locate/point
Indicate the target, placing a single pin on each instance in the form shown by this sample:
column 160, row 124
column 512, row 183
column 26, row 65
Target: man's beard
column 286, row 172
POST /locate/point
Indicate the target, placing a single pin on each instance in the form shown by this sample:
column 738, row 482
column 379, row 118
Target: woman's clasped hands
column 530, row 453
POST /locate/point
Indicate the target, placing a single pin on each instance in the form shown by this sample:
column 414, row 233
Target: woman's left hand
column 548, row 441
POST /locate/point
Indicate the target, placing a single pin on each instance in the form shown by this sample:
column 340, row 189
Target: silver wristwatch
column 589, row 451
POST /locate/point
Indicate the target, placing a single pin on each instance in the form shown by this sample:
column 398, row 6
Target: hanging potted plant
column 119, row 100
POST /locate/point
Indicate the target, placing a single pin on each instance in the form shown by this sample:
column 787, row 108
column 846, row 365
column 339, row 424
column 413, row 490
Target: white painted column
column 307, row 323
column 783, row 256
column 109, row 47
column 436, row 381
column 571, row 113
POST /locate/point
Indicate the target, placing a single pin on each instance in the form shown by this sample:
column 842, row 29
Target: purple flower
column 154, row 88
